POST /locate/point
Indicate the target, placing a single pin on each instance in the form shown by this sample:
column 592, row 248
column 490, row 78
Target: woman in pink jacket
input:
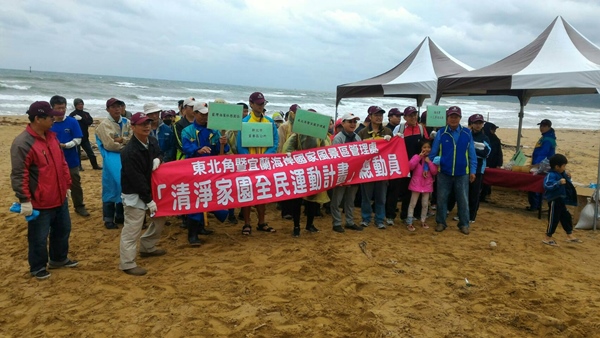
column 422, row 172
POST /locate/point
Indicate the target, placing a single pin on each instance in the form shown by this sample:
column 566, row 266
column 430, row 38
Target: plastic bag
column 586, row 217
column 543, row 167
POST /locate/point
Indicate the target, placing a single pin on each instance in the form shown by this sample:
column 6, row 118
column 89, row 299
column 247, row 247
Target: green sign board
column 519, row 158
column 257, row 134
column 225, row 116
column 311, row 124
column 436, row 116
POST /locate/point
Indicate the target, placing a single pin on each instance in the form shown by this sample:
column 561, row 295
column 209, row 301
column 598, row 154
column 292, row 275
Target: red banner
column 232, row 181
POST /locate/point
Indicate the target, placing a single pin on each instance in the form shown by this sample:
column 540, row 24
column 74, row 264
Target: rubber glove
column 69, row 193
column 387, row 137
column 155, row 163
column 77, row 117
column 26, row 209
column 152, row 208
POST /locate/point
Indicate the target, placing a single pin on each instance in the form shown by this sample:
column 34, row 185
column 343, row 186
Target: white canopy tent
column 560, row 61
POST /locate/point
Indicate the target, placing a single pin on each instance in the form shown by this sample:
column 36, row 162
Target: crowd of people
column 446, row 165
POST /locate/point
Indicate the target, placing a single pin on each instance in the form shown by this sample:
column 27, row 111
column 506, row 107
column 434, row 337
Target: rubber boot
column 193, row 227
column 94, row 163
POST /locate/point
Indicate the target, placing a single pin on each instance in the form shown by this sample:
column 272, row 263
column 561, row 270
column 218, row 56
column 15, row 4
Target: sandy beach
column 373, row 283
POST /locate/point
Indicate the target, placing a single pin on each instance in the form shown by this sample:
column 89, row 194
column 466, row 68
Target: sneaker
column 296, row 232
column 137, row 271
column 82, row 211
column 440, row 227
column 354, row 227
column 288, row 217
column 389, row 221
column 157, row 252
column 464, row 230
column 430, row 213
column 381, row 226
column 110, row 225
column 339, row 229
column 455, row 218
column 68, row 264
column 364, row 224
column 42, row 275
column 471, row 222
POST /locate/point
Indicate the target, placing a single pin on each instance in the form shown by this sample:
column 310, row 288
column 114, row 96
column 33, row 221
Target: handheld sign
column 257, row 134
column 519, row 158
column 225, row 116
column 311, row 124
column 436, row 116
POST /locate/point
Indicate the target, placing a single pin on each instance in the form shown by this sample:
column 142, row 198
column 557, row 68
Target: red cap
column 257, row 97
column 40, row 108
column 139, row 118
column 453, row 110
column 112, row 101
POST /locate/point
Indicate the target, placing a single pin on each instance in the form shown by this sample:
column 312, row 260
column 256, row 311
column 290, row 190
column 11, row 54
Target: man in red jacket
column 41, row 181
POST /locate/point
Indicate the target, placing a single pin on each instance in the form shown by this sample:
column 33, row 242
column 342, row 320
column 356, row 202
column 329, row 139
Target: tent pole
column 336, row 113
column 521, row 114
column 597, row 193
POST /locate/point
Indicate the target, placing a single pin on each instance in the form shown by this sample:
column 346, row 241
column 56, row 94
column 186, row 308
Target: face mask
column 167, row 122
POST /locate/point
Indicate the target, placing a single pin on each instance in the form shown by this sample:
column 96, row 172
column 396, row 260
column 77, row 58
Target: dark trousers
column 558, row 213
column 295, row 206
column 76, row 190
column 112, row 212
column 391, row 199
column 87, row 147
column 535, row 200
column 54, row 224
column 474, row 192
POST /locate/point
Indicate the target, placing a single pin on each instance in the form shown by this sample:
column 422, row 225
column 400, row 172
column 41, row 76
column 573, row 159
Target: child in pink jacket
column 422, row 172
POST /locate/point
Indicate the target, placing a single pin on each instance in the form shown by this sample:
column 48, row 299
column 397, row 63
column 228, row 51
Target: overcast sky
column 300, row 44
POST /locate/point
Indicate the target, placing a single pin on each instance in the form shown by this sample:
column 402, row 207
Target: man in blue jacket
column 458, row 165
column 544, row 148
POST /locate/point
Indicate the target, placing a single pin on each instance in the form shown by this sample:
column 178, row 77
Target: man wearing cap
column 413, row 133
column 482, row 150
column 199, row 141
column 187, row 117
column 345, row 193
column 167, row 117
column 365, row 123
column 394, row 118
column 85, row 121
column 140, row 157
column 160, row 131
column 257, row 105
column 374, row 191
column 40, row 179
column 544, row 148
column 457, row 167
column 69, row 135
column 111, row 136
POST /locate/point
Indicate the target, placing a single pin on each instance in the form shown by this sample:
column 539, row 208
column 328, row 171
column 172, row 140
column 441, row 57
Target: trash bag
column 586, row 217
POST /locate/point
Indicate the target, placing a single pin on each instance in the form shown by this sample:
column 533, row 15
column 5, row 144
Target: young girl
column 422, row 173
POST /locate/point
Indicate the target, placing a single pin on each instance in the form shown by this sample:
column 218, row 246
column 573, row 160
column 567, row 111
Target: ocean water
column 20, row 88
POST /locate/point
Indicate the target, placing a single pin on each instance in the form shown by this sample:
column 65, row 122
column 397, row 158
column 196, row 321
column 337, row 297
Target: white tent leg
column 597, row 192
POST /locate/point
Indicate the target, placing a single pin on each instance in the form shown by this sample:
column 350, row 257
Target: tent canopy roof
column 415, row 77
column 560, row 61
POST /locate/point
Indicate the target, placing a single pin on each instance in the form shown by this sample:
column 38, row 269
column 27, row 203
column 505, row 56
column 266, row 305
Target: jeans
column 445, row 183
column 373, row 191
column 112, row 212
column 54, row 223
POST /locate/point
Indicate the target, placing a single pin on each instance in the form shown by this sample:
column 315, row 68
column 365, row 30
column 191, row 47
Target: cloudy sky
column 300, row 44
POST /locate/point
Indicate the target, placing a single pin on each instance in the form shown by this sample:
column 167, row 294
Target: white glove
column 155, row 163
column 387, row 137
column 152, row 208
column 70, row 144
column 69, row 193
column 433, row 133
column 479, row 145
column 77, row 117
column 399, row 135
column 26, row 209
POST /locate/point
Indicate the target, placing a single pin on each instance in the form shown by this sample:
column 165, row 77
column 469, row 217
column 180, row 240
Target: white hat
column 350, row 116
column 151, row 107
column 201, row 107
column 188, row 102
